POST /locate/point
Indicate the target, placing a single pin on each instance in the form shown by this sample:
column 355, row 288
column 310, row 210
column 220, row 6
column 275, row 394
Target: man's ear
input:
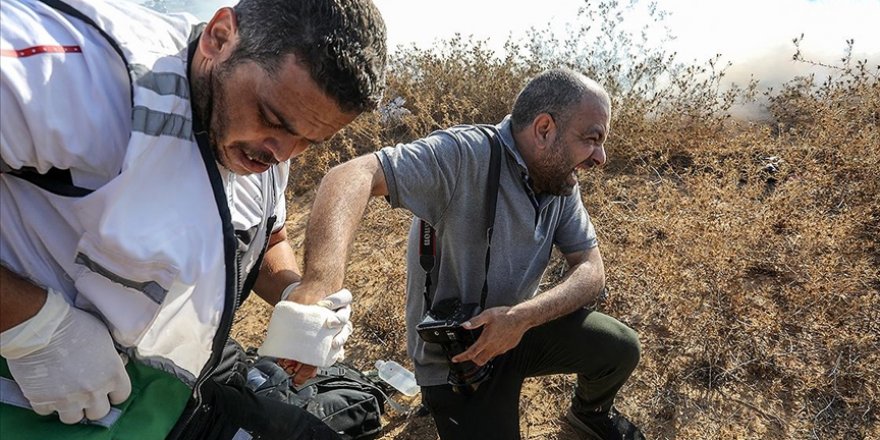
column 220, row 35
column 544, row 130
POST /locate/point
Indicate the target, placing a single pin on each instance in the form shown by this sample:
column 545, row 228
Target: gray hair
column 340, row 42
column 555, row 92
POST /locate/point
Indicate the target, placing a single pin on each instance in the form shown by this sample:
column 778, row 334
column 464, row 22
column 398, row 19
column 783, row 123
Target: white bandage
column 311, row 334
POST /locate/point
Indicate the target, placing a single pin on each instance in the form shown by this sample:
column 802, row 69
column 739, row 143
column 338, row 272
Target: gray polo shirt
column 442, row 179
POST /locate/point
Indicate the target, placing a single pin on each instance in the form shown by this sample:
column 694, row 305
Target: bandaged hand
column 310, row 334
column 64, row 360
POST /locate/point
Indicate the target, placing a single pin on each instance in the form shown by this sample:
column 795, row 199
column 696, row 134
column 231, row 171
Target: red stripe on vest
column 36, row 50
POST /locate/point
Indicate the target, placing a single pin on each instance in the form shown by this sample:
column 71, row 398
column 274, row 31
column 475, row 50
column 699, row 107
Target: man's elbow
column 336, row 174
column 363, row 172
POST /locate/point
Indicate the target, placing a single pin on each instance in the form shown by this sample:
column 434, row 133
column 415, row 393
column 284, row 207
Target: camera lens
column 466, row 377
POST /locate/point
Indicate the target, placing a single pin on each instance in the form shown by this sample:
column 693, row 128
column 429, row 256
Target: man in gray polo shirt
column 558, row 125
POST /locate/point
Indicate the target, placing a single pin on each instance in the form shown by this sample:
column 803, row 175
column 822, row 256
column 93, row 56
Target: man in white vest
column 144, row 162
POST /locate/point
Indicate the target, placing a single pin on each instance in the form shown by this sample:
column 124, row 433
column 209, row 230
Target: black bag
column 347, row 400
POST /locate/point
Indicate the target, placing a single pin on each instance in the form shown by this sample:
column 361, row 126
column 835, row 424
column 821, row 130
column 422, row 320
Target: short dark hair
column 340, row 42
column 553, row 91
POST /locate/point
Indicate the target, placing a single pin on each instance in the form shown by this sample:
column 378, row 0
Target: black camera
column 442, row 325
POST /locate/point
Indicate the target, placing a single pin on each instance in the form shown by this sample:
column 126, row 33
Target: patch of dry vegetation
column 745, row 254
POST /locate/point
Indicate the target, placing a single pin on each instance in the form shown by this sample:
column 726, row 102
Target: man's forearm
column 582, row 286
column 337, row 211
column 20, row 299
column 279, row 269
column 504, row 327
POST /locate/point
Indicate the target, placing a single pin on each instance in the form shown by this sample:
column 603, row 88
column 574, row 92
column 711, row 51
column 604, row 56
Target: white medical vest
column 147, row 232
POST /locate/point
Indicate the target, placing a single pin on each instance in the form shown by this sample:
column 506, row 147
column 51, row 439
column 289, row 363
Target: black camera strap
column 428, row 237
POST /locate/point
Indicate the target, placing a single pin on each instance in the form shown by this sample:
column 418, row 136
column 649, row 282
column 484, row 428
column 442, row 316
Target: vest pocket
column 127, row 294
column 126, row 308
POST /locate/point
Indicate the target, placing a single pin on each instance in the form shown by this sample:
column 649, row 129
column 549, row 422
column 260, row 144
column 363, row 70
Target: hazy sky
column 753, row 34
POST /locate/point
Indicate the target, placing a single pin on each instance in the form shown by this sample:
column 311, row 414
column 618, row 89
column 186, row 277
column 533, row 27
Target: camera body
column 443, row 325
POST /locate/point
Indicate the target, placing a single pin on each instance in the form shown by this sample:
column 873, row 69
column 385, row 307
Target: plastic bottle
column 397, row 376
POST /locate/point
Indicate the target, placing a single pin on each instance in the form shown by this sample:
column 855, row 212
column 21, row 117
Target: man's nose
column 285, row 149
column 598, row 156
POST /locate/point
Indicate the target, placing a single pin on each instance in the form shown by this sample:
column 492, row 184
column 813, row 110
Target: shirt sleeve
column 283, row 174
column 281, row 201
column 14, row 144
column 422, row 176
column 66, row 109
column 575, row 232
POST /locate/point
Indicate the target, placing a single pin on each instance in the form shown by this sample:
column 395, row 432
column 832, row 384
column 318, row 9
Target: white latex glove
column 340, row 304
column 311, row 334
column 64, row 360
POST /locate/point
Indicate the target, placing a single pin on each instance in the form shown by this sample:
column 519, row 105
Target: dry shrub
column 748, row 263
column 745, row 254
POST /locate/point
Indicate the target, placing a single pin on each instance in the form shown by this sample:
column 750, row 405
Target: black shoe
column 604, row 426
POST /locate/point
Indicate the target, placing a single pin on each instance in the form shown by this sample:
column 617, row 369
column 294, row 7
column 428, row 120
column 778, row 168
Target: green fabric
column 156, row 402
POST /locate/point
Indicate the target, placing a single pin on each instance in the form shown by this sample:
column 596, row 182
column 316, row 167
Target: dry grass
column 746, row 255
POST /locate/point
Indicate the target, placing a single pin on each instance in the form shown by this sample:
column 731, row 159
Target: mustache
column 256, row 153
